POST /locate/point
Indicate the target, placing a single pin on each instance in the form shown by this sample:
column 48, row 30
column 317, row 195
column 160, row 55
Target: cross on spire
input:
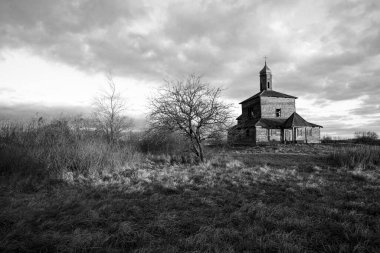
column 265, row 60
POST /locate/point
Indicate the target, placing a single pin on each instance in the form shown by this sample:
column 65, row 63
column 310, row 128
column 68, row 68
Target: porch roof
column 295, row 120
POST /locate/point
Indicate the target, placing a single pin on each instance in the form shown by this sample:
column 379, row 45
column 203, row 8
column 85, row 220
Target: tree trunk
column 200, row 149
column 201, row 156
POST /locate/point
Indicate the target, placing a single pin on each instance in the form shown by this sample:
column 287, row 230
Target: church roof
column 265, row 70
column 270, row 122
column 295, row 120
column 269, row 93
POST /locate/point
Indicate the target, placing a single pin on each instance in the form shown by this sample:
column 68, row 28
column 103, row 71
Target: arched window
column 268, row 85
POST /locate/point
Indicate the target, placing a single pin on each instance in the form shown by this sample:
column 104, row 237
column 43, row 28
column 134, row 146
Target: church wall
column 288, row 136
column 268, row 135
column 274, row 134
column 261, row 134
column 255, row 105
column 316, row 135
column 308, row 134
column 242, row 136
column 270, row 104
column 300, row 134
column 252, row 135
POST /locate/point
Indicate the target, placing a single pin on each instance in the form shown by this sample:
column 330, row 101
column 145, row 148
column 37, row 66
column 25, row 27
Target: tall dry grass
column 362, row 156
column 39, row 150
column 33, row 152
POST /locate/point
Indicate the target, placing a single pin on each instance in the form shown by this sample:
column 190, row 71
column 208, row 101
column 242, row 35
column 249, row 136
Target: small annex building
column 270, row 116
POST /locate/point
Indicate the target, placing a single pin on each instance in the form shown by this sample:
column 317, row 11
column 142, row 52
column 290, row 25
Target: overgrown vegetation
column 360, row 137
column 359, row 156
column 368, row 137
column 108, row 116
column 65, row 188
column 192, row 108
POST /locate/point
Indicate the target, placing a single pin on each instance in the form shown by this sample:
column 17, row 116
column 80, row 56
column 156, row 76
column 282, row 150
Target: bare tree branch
column 109, row 113
column 191, row 107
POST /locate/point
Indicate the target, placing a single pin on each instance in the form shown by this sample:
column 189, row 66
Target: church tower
column 265, row 78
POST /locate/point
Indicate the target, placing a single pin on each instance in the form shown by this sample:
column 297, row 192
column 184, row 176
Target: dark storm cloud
column 66, row 30
column 94, row 35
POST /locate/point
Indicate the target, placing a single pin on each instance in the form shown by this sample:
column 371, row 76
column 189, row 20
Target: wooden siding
column 254, row 105
column 261, row 134
column 307, row 134
column 270, row 104
column 239, row 136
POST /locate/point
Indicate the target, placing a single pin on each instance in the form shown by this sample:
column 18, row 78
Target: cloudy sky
column 54, row 54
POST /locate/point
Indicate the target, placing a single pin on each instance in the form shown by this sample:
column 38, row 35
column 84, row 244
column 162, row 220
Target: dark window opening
column 268, row 85
column 278, row 112
column 251, row 114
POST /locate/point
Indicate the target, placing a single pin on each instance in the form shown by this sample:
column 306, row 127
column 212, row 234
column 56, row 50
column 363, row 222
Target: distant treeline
column 363, row 137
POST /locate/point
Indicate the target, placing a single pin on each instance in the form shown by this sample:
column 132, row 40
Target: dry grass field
column 302, row 198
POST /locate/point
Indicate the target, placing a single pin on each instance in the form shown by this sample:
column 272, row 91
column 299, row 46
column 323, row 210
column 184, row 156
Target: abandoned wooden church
column 270, row 116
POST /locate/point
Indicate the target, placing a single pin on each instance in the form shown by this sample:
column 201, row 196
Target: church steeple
column 265, row 78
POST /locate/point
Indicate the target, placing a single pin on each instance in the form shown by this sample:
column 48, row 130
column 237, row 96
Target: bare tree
column 191, row 107
column 109, row 113
column 366, row 137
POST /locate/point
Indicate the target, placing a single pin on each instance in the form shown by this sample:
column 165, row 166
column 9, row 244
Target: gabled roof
column 295, row 120
column 269, row 93
column 271, row 122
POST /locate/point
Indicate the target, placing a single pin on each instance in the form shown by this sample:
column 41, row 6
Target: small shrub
column 160, row 142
